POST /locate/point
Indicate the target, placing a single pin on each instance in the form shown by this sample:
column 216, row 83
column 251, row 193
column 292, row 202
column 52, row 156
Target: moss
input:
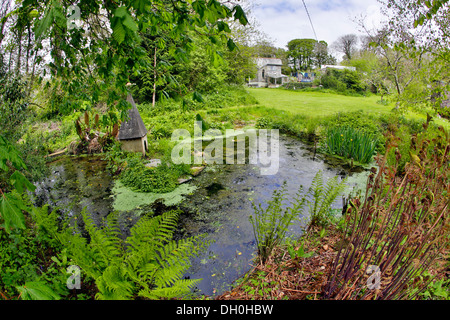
column 126, row 199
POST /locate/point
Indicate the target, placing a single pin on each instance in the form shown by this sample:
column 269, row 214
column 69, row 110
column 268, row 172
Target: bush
column 343, row 81
column 297, row 85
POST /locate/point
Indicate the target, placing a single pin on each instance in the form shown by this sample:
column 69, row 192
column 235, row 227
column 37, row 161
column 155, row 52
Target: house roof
column 134, row 127
column 261, row 62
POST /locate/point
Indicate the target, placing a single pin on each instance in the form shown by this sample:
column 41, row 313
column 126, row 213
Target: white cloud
column 284, row 20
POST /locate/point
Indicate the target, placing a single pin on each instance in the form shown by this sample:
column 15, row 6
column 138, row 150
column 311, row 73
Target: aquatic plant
column 140, row 178
column 350, row 143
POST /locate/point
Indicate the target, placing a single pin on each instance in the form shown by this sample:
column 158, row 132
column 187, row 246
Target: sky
column 284, row 20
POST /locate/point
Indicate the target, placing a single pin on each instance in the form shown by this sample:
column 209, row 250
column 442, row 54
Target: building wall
column 135, row 145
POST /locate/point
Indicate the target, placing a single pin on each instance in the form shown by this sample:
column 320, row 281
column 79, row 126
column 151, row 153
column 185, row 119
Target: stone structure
column 269, row 73
column 132, row 133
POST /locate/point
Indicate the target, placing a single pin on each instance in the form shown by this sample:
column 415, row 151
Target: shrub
column 297, row 85
column 343, row 81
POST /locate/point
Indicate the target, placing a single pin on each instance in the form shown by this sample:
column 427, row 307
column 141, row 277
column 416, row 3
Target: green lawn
column 316, row 103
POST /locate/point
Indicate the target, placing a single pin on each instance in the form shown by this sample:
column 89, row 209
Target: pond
column 218, row 202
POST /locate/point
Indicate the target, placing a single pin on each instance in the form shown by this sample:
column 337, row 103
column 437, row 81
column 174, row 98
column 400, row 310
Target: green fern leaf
column 114, row 285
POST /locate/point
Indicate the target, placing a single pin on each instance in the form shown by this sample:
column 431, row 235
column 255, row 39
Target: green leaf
column 36, row 290
column 231, row 45
column 43, row 24
column 33, row 13
column 197, row 97
column 199, row 7
column 118, row 31
column 222, row 26
column 11, row 212
column 21, row 183
column 239, row 14
column 129, row 23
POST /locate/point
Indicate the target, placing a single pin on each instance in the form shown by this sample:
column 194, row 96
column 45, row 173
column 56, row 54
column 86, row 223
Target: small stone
column 184, row 180
column 153, row 163
column 325, row 247
column 196, row 170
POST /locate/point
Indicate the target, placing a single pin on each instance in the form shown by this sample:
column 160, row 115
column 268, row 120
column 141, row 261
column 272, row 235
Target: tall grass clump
column 393, row 237
column 350, row 143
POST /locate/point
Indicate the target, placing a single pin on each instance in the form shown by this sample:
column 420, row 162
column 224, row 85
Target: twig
column 301, row 291
column 4, row 297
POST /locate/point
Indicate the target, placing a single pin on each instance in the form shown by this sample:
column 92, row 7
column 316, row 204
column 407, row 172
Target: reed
column 350, row 143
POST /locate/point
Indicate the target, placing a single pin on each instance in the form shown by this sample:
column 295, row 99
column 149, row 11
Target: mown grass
column 321, row 104
column 316, row 104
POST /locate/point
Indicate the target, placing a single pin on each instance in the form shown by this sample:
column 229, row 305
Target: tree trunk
column 154, row 80
column 28, row 48
column 19, row 52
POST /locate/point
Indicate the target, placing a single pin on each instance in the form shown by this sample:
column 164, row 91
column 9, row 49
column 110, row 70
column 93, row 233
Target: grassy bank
column 316, row 104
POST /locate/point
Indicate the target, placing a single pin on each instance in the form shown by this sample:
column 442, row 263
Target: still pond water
column 220, row 205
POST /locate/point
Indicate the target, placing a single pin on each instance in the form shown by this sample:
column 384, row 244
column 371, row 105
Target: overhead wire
column 310, row 21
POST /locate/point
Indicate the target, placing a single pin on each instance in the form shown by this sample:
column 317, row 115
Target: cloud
column 284, row 20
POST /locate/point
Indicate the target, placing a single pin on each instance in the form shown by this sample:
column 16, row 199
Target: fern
column 114, row 284
column 323, row 197
column 149, row 263
column 270, row 224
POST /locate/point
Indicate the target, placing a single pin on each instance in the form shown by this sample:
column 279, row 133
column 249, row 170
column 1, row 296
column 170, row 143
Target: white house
column 269, row 73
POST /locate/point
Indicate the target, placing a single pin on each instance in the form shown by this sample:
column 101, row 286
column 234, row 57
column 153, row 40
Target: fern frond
column 114, row 285
column 104, row 241
column 82, row 254
column 180, row 288
column 316, row 190
column 151, row 231
column 323, row 197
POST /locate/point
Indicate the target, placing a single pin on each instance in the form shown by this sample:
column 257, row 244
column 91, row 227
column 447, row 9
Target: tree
column 412, row 57
column 347, row 45
column 96, row 60
column 301, row 53
column 321, row 55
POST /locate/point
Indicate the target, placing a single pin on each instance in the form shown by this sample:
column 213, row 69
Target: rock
column 184, row 180
column 153, row 163
column 325, row 247
column 196, row 170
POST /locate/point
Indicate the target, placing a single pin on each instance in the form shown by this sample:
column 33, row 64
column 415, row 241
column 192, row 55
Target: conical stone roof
column 134, row 127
